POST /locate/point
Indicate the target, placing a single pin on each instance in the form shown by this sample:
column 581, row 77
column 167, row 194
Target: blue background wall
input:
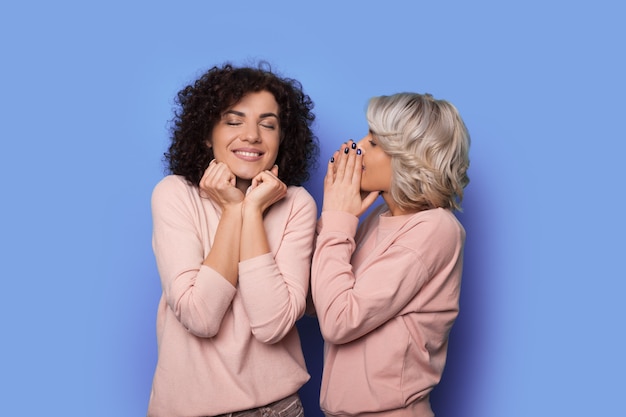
column 86, row 91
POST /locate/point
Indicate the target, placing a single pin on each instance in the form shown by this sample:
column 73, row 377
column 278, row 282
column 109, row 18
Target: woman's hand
column 342, row 184
column 220, row 184
column 266, row 189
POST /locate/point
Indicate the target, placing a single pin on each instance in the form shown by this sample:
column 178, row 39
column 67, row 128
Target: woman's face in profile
column 376, row 170
column 247, row 136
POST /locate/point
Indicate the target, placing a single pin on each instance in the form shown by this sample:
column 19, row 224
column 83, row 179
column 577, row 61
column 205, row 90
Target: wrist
column 232, row 208
column 249, row 209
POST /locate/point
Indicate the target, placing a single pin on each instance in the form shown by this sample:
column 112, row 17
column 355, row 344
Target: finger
column 232, row 179
column 274, row 170
column 267, row 177
column 357, row 168
column 332, row 166
column 223, row 174
column 218, row 174
column 263, row 176
column 207, row 173
column 330, row 171
column 370, row 198
column 355, row 178
column 340, row 162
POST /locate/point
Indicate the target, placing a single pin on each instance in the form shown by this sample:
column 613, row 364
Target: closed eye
column 268, row 121
column 371, row 140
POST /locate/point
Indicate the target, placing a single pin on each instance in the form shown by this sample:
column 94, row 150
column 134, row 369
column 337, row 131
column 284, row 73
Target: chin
column 247, row 174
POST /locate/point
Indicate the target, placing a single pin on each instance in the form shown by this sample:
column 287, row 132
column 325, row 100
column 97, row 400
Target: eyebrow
column 241, row 114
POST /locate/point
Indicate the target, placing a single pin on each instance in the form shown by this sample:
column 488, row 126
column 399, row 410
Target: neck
column 394, row 209
column 243, row 185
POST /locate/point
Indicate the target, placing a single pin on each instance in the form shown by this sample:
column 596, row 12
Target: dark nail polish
column 332, row 159
column 358, row 151
column 353, row 145
column 346, row 150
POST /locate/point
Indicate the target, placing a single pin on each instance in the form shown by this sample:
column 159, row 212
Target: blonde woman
column 387, row 293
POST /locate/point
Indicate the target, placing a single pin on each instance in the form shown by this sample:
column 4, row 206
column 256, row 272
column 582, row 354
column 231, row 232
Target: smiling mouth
column 248, row 154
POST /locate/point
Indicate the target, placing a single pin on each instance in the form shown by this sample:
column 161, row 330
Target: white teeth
column 247, row 153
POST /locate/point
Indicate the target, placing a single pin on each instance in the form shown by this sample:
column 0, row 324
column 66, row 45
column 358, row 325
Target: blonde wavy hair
column 429, row 147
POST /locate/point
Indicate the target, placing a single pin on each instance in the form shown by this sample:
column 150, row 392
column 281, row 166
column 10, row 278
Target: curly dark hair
column 201, row 105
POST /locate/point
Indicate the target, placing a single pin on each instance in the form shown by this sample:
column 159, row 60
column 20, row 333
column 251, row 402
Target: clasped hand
column 220, row 184
column 342, row 183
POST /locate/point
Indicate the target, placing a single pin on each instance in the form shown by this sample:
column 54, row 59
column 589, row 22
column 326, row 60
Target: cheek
column 273, row 145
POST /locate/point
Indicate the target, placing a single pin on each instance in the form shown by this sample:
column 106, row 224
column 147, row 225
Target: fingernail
column 346, row 150
column 358, row 151
column 353, row 145
column 332, row 159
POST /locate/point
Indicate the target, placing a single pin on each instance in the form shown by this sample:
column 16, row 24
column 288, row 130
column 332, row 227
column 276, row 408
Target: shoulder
column 299, row 197
column 172, row 188
column 298, row 192
column 436, row 218
column 442, row 219
column 171, row 182
column 297, row 207
column 435, row 226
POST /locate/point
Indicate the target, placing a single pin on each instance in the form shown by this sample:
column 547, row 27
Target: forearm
column 347, row 307
column 198, row 295
column 223, row 256
column 332, row 281
column 273, row 301
column 264, row 292
column 200, row 299
column 254, row 236
column 274, row 284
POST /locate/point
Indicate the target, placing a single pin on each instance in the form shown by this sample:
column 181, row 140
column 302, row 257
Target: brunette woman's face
column 377, row 171
column 247, row 136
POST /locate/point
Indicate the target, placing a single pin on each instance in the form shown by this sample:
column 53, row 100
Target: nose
column 251, row 133
column 361, row 144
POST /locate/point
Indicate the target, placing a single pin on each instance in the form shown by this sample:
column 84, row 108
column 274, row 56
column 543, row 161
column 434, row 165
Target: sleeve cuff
column 338, row 221
column 253, row 264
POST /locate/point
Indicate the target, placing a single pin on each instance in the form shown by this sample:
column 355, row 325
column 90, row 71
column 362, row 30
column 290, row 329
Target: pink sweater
column 223, row 349
column 385, row 301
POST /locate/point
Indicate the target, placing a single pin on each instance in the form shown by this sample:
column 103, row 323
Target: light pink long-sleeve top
column 220, row 348
column 386, row 298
